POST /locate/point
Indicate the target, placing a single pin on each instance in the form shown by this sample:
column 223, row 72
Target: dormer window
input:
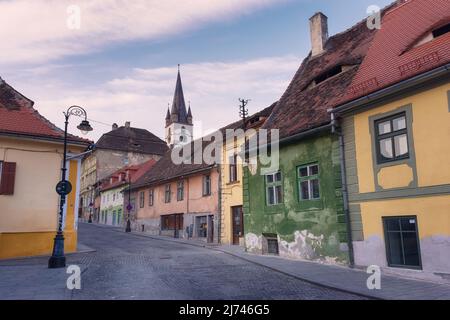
column 436, row 33
column 330, row 73
column 441, row 31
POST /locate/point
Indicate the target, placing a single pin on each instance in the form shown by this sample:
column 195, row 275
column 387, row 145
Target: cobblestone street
column 128, row 266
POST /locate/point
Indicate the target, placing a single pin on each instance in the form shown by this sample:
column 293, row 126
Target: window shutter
column 8, row 178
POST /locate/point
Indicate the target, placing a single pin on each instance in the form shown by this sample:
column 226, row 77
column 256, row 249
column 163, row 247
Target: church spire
column 179, row 127
column 178, row 112
column 189, row 114
column 168, row 115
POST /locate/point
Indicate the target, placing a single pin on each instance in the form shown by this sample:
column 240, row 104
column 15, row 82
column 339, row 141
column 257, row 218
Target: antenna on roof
column 243, row 112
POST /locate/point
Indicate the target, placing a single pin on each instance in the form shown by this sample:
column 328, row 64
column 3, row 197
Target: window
column 274, row 188
column 141, row 199
column 7, row 177
column 392, row 138
column 180, row 190
column 119, row 216
column 202, row 227
column 233, row 168
column 114, row 197
column 167, row 194
column 172, row 222
column 151, row 197
column 441, row 31
column 402, row 241
column 207, row 185
column 308, row 182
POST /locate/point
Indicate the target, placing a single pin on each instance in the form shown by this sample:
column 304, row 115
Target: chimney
column 114, row 126
column 319, row 32
column 127, row 124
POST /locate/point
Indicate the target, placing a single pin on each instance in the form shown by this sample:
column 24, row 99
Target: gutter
column 299, row 136
column 70, row 142
column 393, row 89
column 173, row 178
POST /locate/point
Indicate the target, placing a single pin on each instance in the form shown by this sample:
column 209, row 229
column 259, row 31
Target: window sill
column 232, row 183
column 316, row 204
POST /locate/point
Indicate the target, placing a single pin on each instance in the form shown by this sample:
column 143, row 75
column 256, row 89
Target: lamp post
column 129, row 206
column 91, row 205
column 63, row 188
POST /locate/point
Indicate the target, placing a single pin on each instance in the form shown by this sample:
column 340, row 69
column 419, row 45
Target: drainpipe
column 337, row 130
column 219, row 207
column 187, row 207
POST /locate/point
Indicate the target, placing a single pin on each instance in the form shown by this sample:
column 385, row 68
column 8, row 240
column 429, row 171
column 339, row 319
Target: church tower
column 179, row 127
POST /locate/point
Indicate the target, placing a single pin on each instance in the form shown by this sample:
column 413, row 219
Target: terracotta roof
column 133, row 140
column 165, row 169
column 304, row 104
column 394, row 54
column 135, row 172
column 18, row 117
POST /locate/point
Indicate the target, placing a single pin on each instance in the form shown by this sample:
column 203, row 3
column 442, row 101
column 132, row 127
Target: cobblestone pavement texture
column 128, row 266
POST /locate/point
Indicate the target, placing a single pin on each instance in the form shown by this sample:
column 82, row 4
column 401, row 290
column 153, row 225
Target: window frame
column 274, row 184
column 206, row 185
column 151, row 197
column 232, row 169
column 180, row 190
column 387, row 247
column 7, row 177
column 310, row 177
column 391, row 135
column 167, row 193
column 141, row 199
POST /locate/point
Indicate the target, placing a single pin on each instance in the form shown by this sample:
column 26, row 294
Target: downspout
column 187, row 207
column 219, row 222
column 337, row 130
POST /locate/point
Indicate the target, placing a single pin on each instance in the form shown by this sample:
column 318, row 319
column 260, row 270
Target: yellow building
column 231, row 200
column 396, row 134
column 31, row 153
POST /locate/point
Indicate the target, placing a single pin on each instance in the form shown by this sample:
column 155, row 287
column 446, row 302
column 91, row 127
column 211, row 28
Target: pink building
column 178, row 200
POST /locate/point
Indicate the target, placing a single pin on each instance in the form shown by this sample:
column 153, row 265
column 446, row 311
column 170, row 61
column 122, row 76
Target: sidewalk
column 336, row 277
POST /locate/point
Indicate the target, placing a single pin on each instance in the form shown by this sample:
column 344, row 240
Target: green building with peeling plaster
column 299, row 211
column 309, row 225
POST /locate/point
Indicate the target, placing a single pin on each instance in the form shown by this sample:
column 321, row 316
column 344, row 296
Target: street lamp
column 63, row 188
column 91, row 205
column 129, row 206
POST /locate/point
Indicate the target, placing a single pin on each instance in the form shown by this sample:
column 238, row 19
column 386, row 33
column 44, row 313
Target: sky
column 118, row 58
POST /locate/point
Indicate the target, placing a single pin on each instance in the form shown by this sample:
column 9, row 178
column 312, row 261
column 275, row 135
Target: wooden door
column 238, row 223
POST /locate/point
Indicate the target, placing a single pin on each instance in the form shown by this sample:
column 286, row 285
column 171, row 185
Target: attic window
column 441, row 31
column 436, row 33
column 326, row 75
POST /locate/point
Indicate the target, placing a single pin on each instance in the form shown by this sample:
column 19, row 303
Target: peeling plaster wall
column 151, row 226
column 435, row 256
column 314, row 229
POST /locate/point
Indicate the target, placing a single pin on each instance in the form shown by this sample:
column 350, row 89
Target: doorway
column 238, row 223
column 210, row 230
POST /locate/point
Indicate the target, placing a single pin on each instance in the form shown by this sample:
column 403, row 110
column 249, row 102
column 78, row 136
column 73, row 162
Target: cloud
column 142, row 96
column 35, row 31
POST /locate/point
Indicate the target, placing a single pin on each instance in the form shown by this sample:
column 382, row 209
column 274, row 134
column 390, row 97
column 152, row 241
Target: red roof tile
column 135, row 171
column 394, row 56
column 18, row 117
column 304, row 104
